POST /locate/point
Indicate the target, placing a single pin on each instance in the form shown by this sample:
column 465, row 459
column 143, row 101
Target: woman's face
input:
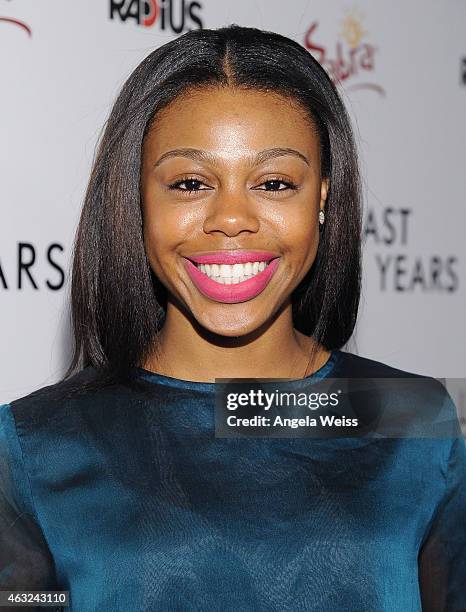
column 232, row 173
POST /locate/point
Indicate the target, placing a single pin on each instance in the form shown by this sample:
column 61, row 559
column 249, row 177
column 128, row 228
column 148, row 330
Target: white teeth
column 232, row 274
column 237, row 270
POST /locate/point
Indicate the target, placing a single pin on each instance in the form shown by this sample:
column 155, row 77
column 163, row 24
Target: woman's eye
column 274, row 185
column 190, row 185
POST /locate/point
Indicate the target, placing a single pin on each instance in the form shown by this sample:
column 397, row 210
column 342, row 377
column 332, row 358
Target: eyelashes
column 190, row 182
column 289, row 185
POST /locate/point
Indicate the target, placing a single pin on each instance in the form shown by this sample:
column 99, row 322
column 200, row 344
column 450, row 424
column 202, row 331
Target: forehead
column 232, row 119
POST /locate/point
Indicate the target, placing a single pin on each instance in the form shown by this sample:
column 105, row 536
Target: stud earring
column 321, row 217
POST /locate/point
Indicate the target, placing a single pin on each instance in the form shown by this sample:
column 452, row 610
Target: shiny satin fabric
column 127, row 499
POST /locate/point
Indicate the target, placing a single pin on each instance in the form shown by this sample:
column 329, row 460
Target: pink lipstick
column 219, row 266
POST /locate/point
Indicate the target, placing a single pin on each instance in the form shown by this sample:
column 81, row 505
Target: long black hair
column 117, row 304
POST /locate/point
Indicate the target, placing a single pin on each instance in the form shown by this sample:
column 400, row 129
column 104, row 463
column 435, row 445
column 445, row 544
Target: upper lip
column 231, row 257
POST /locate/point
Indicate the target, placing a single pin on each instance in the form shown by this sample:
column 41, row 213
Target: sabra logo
column 174, row 15
column 353, row 59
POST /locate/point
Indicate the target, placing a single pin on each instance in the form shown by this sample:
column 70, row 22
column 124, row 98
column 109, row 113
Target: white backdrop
column 400, row 68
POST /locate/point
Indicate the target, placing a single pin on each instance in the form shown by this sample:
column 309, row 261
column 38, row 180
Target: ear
column 324, row 187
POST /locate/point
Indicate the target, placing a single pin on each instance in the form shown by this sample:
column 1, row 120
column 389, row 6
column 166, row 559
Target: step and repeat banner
column 401, row 69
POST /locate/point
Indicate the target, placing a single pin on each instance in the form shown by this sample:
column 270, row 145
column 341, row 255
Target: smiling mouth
column 232, row 283
column 226, row 274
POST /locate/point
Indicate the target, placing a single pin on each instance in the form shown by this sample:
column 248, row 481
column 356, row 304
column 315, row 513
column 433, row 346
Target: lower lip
column 230, row 294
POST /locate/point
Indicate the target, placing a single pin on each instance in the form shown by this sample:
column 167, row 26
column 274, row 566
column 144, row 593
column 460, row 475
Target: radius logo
column 170, row 15
column 353, row 59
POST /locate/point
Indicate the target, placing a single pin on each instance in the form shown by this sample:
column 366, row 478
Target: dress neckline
column 179, row 383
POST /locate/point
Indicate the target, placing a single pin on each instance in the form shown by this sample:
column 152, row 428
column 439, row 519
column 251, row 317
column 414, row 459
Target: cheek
column 160, row 235
column 165, row 233
column 302, row 235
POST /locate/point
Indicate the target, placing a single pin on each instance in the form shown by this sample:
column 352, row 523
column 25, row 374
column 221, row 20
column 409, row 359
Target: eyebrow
column 205, row 156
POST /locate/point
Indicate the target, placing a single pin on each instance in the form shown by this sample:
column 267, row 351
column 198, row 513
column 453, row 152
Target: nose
column 231, row 213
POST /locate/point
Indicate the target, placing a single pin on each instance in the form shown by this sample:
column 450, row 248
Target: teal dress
column 125, row 497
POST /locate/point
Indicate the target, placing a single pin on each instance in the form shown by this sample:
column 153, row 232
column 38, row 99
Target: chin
column 231, row 327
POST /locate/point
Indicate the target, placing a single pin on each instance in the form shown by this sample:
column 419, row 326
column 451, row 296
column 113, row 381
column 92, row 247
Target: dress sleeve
column 442, row 560
column 25, row 559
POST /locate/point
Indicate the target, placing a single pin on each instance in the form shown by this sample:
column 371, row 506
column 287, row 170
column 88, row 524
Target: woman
column 220, row 238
